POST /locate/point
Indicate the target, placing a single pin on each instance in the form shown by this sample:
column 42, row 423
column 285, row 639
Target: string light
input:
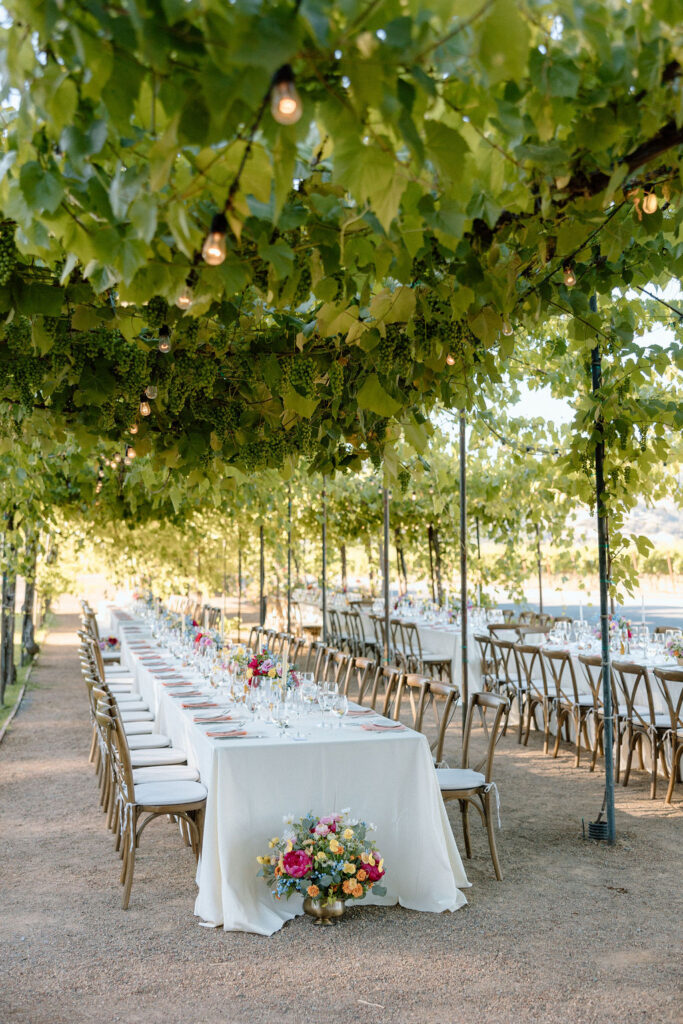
column 569, row 275
column 285, row 102
column 164, row 339
column 117, row 458
column 507, row 328
column 145, row 408
column 133, row 428
column 185, row 299
column 214, row 249
column 127, row 461
column 450, row 359
column 650, row 203
column 100, row 473
column 151, row 391
column 130, row 452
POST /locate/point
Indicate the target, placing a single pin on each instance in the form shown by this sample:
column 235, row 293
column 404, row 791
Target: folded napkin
column 233, row 734
column 212, row 718
column 173, row 683
column 378, row 727
column 195, row 704
column 187, row 693
column 360, row 711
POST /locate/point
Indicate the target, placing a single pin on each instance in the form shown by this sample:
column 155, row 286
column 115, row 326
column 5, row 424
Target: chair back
column 670, row 684
column 444, row 700
column 592, row 671
column 483, row 642
column 503, row 629
column 412, row 645
column 525, row 618
column 359, row 678
column 561, row 670
column 633, row 685
column 531, row 670
column 504, row 660
column 508, row 614
column 384, row 685
column 481, row 703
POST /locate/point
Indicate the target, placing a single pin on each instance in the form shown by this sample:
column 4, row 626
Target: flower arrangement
column 203, row 640
column 674, row 648
column 264, row 666
column 616, row 624
column 110, row 644
column 326, row 859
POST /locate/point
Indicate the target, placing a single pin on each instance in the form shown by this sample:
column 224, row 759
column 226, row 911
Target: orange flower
column 348, row 886
column 362, row 875
column 358, row 891
column 313, row 891
column 277, row 871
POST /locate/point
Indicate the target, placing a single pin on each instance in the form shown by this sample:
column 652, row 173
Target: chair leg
column 464, row 810
column 629, row 756
column 558, row 734
column 490, row 827
column 130, row 868
column 530, row 708
column 654, row 756
column 93, row 747
column 675, row 763
column 598, row 733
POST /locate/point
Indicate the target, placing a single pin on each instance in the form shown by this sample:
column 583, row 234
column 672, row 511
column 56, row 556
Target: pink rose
column 331, row 823
column 372, row 870
column 297, row 863
column 321, row 829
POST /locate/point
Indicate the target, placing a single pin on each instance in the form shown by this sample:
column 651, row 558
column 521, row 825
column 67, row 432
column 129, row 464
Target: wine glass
column 339, row 705
column 280, row 714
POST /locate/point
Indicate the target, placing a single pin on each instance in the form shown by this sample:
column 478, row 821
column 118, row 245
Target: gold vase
column 324, row 912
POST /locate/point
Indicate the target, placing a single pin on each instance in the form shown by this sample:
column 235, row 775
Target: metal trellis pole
column 596, row 368
column 385, row 579
column 540, row 569
column 324, row 565
column 262, row 580
column 464, row 682
column 289, row 558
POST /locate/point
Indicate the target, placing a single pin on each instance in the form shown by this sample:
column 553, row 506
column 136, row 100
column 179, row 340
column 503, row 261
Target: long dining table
column 254, row 781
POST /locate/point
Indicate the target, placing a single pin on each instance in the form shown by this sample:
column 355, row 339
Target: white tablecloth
column 253, row 783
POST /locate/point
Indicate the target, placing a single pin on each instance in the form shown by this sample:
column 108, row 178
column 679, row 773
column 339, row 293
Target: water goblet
column 339, row 705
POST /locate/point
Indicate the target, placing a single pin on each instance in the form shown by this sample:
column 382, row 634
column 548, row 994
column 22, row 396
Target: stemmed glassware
column 339, row 707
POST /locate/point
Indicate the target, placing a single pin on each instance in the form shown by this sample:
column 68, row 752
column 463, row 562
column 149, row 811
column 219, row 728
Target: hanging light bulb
column 133, row 428
column 413, row 496
column 507, row 328
column 117, row 458
column 126, row 461
column 650, row 203
column 98, row 488
column 145, row 408
column 164, row 339
column 569, row 275
column 285, row 102
column 100, row 473
column 214, row 249
column 151, row 391
column 184, row 300
column 450, row 359
column 130, row 452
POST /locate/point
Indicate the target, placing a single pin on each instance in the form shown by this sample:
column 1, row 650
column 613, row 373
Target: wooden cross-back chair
column 384, row 683
column 442, row 699
column 640, row 721
column 359, row 679
column 670, row 683
column 570, row 705
column 591, row 665
column 531, row 672
column 475, row 785
column 419, row 661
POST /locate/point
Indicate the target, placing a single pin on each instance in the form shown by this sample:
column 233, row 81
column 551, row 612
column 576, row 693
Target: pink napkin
column 206, row 704
column 226, row 735
column 214, row 718
column 375, row 727
column 187, row 693
column 175, row 682
column 361, row 711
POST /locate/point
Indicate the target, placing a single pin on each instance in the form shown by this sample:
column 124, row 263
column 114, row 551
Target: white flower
column 345, row 810
column 288, row 819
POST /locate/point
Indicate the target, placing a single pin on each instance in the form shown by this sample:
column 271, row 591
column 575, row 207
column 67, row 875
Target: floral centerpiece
column 326, row 860
column 264, row 666
column 674, row 648
column 616, row 623
column 110, row 644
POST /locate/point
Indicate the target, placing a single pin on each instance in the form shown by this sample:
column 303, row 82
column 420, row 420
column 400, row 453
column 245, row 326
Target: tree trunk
column 400, row 560
column 430, row 533
column 437, row 565
column 29, row 647
column 609, row 569
column 7, row 669
column 342, row 552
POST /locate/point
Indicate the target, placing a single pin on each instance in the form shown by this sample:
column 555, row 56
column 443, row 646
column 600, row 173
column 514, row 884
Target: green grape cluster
column 8, row 250
column 404, row 480
column 304, row 437
column 302, row 375
column 28, row 376
column 286, row 378
column 188, row 337
column 336, row 374
column 627, row 475
column 403, row 356
column 380, row 430
column 226, row 418
column 385, row 353
column 643, row 439
column 303, row 287
column 156, row 312
column 18, row 334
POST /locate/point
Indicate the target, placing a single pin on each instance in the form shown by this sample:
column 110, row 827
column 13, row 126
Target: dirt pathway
column 575, row 933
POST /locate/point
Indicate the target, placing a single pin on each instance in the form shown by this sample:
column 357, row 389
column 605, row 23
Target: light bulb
column 507, row 328
column 101, row 474
column 98, row 488
column 131, row 453
column 214, row 249
column 569, row 275
column 184, row 300
column 450, row 359
column 650, row 203
column 133, row 428
column 151, row 391
column 145, row 408
column 413, row 496
column 164, row 338
column 126, row 461
column 117, row 458
column 285, row 102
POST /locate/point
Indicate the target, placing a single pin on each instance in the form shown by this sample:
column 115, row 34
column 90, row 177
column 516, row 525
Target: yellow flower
column 371, row 861
column 349, row 869
column 381, row 864
column 289, row 847
column 321, row 855
column 274, row 841
column 250, row 673
column 272, row 673
column 335, row 847
column 347, row 833
column 365, row 858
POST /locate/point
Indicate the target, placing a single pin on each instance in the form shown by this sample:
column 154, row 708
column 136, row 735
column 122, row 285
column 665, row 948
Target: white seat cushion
column 109, row 657
column 165, row 773
column 156, row 739
column 168, row 755
column 459, row 778
column 117, row 670
column 131, row 702
column 122, row 688
column 138, row 728
column 151, row 794
column 136, row 716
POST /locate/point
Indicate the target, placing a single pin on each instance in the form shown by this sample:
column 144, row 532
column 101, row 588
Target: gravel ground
column 575, row 933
